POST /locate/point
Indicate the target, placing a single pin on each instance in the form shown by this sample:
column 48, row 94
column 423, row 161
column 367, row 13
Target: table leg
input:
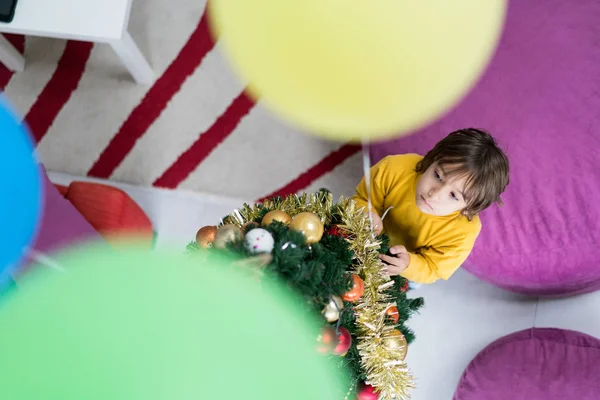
column 133, row 59
column 10, row 57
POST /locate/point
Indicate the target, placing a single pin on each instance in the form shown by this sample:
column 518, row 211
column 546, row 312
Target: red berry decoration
column 366, row 392
column 358, row 288
column 345, row 341
column 393, row 314
column 335, row 230
column 404, row 287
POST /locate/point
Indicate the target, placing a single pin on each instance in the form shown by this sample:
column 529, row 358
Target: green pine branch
column 321, row 270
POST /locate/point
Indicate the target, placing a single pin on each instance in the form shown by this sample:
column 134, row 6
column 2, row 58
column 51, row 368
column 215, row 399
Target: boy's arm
column 380, row 183
column 429, row 265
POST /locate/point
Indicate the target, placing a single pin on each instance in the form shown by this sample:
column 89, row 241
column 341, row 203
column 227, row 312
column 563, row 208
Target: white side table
column 101, row 21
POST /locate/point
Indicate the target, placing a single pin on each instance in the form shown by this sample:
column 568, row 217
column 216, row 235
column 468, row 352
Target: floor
column 175, row 133
column 460, row 317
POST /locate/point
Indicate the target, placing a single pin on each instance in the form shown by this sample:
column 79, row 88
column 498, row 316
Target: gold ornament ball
column 395, row 340
column 205, row 236
column 226, row 234
column 332, row 310
column 309, row 225
column 276, row 215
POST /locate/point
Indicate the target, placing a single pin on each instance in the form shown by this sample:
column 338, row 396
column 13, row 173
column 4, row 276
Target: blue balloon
column 21, row 195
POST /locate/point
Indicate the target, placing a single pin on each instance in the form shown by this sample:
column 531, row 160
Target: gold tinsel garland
column 384, row 366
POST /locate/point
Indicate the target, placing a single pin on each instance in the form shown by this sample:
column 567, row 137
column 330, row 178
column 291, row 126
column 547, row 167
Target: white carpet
column 190, row 130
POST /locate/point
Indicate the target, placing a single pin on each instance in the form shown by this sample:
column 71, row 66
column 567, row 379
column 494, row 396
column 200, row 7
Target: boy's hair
column 475, row 154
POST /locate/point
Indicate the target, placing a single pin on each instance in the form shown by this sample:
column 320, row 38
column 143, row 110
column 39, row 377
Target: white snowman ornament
column 259, row 240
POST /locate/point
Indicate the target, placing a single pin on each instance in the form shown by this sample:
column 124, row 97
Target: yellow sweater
column 437, row 245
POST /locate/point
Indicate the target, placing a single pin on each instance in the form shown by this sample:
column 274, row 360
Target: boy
column 434, row 203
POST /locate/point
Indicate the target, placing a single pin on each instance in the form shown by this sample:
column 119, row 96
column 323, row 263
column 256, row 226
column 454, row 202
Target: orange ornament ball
column 357, row 290
column 205, row 236
column 393, row 314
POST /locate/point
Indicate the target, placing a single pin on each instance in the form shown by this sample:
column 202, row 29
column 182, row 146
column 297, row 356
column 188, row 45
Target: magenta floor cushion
column 62, row 225
column 535, row 364
column 541, row 98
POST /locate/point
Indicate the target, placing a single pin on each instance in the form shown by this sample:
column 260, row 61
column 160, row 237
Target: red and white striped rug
column 193, row 129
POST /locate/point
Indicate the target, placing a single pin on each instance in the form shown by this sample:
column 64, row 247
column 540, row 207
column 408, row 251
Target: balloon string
column 366, row 156
column 43, row 259
column 386, row 211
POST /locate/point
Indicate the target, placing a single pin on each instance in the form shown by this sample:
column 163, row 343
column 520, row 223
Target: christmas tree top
column 326, row 251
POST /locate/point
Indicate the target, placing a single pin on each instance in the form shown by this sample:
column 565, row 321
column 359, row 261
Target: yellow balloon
column 352, row 69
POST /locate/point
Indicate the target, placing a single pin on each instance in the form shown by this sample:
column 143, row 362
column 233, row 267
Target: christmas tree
column 326, row 251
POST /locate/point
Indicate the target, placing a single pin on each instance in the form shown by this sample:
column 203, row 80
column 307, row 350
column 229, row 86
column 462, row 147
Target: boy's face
column 439, row 194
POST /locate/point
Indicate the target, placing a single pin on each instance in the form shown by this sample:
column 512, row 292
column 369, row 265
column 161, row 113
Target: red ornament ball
column 366, row 392
column 404, row 287
column 344, row 342
column 328, row 340
column 334, row 342
column 358, row 288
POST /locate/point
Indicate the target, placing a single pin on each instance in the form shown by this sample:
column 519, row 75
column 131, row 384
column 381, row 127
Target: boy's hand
column 397, row 262
column 377, row 223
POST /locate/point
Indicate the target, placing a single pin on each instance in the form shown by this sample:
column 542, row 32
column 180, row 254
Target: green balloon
column 138, row 325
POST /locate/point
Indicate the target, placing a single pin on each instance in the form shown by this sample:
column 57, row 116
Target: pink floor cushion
column 541, row 98
column 534, row 364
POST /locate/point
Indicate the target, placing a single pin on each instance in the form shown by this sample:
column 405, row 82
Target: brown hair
column 475, row 154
